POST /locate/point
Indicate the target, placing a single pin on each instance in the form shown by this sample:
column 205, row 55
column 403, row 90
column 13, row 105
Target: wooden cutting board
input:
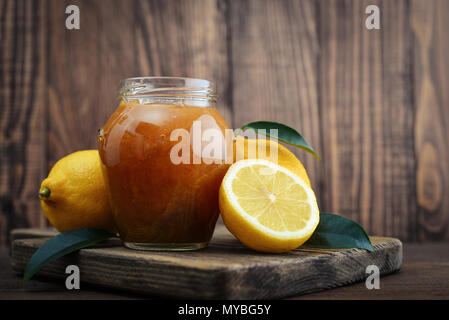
column 225, row 269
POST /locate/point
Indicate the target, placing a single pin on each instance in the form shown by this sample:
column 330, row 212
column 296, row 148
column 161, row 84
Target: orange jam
column 158, row 203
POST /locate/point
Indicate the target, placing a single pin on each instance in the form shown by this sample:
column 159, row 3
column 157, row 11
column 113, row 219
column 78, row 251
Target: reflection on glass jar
column 162, row 182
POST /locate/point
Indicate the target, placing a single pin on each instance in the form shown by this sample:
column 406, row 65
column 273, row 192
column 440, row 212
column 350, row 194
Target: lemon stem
column 44, row 193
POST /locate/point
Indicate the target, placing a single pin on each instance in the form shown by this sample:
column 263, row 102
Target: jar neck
column 169, row 90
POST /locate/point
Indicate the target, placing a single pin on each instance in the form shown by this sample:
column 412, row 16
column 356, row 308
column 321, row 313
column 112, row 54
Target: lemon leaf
column 337, row 232
column 62, row 244
column 284, row 133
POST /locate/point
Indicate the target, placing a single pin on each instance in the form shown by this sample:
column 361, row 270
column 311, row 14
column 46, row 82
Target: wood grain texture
column 75, row 105
column 423, row 275
column 225, row 269
column 431, row 95
column 373, row 103
column 367, row 116
column 23, row 106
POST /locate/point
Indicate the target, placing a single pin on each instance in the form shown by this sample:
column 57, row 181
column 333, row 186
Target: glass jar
column 162, row 186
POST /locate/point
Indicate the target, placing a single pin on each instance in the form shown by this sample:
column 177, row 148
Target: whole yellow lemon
column 73, row 196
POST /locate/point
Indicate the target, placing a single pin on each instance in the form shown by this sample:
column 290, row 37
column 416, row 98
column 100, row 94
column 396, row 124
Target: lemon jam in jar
column 162, row 190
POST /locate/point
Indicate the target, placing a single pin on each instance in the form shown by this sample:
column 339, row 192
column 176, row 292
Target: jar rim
column 204, row 82
column 178, row 88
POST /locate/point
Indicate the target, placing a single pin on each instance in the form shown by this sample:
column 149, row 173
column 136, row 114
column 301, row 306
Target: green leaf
column 61, row 245
column 284, row 133
column 337, row 232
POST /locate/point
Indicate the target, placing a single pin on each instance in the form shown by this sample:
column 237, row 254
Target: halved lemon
column 266, row 206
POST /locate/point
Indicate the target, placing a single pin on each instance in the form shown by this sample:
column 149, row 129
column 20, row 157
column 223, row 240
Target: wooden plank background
column 374, row 103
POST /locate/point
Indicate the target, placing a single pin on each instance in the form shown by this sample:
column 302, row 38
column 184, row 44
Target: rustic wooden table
column 424, row 275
